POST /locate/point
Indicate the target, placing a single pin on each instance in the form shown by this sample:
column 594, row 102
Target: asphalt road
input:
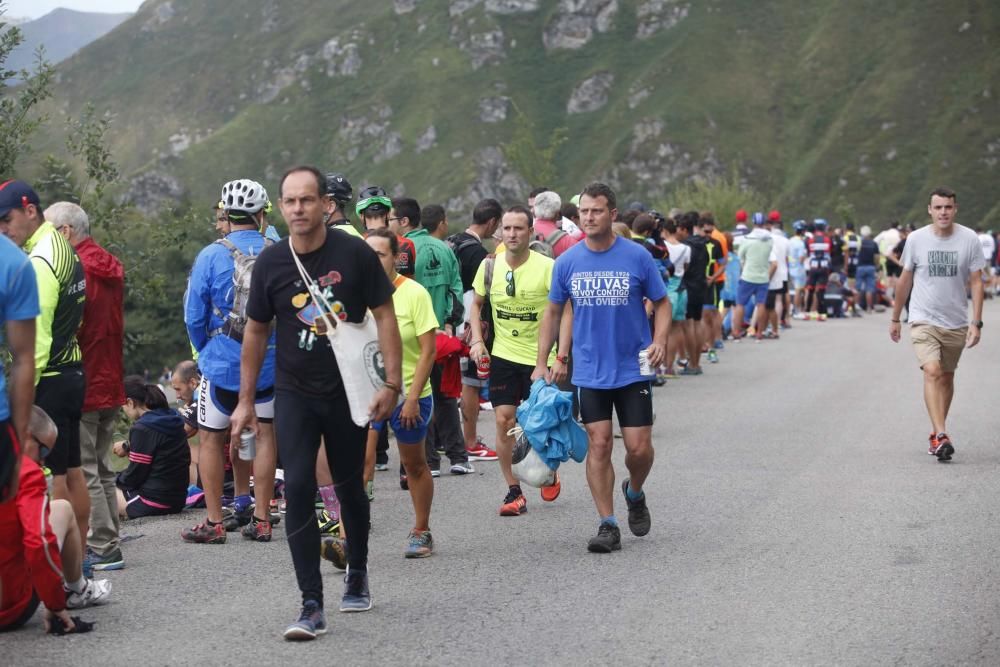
column 797, row 519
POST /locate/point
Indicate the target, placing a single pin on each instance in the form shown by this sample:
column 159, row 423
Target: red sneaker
column 944, row 447
column 933, row 444
column 551, row 492
column 205, row 533
column 514, row 504
column 480, row 452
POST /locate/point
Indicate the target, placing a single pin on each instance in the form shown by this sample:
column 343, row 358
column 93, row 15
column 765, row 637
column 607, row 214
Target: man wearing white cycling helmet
column 215, row 316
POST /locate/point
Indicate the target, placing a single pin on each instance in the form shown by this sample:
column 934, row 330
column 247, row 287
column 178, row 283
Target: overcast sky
column 35, row 8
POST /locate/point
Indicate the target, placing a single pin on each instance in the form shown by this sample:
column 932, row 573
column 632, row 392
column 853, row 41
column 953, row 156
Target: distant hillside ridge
column 62, row 32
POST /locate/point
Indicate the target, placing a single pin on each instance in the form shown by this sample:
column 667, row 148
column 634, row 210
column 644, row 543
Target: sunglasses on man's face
column 510, row 283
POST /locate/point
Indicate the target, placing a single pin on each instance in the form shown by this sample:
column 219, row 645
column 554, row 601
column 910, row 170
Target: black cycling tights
column 299, row 421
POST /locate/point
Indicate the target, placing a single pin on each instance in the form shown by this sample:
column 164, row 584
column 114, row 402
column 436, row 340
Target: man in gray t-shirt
column 938, row 261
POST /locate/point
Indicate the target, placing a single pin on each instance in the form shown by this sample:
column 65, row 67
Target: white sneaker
column 462, row 468
column 95, row 592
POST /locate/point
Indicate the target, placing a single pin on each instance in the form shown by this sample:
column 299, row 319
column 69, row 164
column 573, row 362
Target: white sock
column 77, row 586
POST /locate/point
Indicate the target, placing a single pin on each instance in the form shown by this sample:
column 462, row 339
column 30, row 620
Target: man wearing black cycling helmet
column 339, row 194
column 373, row 209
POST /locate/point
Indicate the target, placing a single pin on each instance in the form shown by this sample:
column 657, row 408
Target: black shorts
column 852, row 269
column 712, row 296
column 893, row 270
column 632, row 403
column 816, row 278
column 696, row 300
column 773, row 294
column 61, row 396
column 510, row 382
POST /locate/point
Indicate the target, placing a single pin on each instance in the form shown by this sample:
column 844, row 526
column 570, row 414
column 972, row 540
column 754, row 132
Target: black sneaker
column 943, row 452
column 357, row 597
column 608, row 539
column 638, row 513
column 234, row 519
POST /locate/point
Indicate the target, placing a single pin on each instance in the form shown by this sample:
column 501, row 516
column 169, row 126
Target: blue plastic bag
column 547, row 420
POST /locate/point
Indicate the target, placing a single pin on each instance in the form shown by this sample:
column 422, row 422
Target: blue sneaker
column 88, row 565
column 312, row 622
column 112, row 561
column 420, row 544
column 357, row 597
column 719, row 345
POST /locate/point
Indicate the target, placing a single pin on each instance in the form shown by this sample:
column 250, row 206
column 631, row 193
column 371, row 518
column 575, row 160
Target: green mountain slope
column 819, row 104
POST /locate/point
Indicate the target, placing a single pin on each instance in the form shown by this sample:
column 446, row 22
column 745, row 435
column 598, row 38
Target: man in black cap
column 59, row 383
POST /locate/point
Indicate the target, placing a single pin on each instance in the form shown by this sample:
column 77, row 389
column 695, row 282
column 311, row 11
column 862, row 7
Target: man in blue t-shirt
column 608, row 280
column 18, row 308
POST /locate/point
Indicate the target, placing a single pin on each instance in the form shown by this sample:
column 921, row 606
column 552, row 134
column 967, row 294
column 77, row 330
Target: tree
column 57, row 182
column 534, row 161
column 722, row 195
column 18, row 117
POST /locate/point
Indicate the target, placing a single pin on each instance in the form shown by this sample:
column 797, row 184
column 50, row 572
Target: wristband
column 475, row 342
column 562, row 358
column 894, row 321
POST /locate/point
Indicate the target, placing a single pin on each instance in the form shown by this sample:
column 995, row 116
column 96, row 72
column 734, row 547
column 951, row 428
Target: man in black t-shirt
column 468, row 247
column 310, row 399
column 695, row 281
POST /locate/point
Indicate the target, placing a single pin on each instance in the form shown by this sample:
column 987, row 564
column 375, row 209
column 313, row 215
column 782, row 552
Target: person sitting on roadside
column 41, row 562
column 156, row 480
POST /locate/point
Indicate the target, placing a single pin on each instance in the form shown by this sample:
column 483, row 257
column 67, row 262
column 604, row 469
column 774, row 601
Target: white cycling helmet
column 244, row 196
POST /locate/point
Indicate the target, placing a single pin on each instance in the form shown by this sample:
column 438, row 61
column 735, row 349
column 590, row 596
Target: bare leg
column 506, row 420
column 418, row 477
column 936, row 395
column 600, row 471
column 370, row 443
column 63, row 522
column 264, row 464
column 638, row 454
column 210, row 465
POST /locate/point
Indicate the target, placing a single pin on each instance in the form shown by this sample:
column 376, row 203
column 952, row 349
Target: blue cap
column 758, row 218
column 16, row 194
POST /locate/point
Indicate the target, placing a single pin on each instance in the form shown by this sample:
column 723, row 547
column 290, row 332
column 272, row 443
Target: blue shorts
column 865, row 279
column 408, row 436
column 746, row 291
column 798, row 278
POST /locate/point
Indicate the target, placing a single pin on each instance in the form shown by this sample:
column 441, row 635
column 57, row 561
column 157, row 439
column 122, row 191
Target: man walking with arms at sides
column 939, row 262
column 310, row 399
column 102, row 337
column 471, row 252
column 607, row 279
column 518, row 293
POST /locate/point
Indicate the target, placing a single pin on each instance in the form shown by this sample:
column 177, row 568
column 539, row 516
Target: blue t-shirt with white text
column 610, row 327
column 18, row 301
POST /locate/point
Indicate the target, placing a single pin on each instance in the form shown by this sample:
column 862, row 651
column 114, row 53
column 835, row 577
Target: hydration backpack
column 545, row 245
column 235, row 322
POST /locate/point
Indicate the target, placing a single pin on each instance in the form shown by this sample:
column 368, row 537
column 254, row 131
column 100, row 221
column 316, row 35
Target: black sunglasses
column 510, row 283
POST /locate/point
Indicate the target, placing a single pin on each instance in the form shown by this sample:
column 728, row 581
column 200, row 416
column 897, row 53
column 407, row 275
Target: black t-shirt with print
column 349, row 272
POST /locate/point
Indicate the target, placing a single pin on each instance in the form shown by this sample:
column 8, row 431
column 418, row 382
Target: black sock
column 516, row 488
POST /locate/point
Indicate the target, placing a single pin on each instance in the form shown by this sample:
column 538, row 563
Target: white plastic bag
column 528, row 466
column 355, row 345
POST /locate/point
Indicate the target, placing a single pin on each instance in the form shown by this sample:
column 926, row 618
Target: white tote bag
column 356, row 348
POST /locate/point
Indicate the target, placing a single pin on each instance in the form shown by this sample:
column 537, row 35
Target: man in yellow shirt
column 518, row 294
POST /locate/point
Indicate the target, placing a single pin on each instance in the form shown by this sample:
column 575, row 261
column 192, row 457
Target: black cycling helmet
column 374, row 200
column 339, row 188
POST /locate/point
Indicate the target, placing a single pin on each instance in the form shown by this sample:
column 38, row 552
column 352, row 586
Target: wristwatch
column 562, row 358
column 978, row 323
